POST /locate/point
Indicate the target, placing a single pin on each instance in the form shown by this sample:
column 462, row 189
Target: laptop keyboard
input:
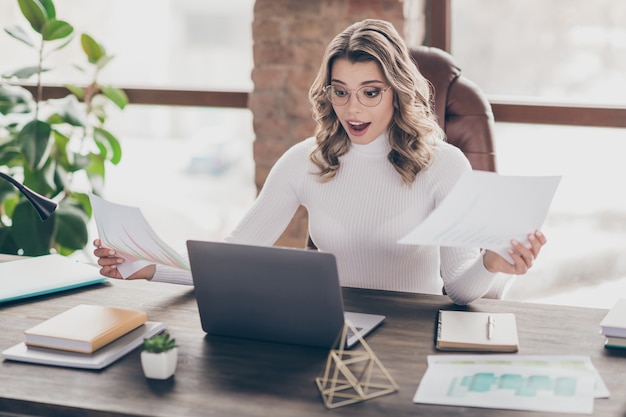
column 350, row 333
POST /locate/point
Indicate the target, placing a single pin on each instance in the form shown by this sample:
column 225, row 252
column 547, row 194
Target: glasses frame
column 329, row 87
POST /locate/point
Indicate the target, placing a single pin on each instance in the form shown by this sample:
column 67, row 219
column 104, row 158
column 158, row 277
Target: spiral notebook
column 474, row 331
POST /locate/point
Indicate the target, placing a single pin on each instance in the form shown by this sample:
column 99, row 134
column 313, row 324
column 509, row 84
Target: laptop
column 273, row 294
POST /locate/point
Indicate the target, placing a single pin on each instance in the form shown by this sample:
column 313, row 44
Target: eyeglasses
column 367, row 95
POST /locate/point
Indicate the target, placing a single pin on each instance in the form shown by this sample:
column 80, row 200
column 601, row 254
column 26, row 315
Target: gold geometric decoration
column 353, row 376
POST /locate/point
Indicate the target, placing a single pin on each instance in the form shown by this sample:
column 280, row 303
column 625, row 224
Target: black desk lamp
column 43, row 205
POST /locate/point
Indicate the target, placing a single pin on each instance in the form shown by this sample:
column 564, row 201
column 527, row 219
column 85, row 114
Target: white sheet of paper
column 126, row 230
column 549, row 384
column 487, row 210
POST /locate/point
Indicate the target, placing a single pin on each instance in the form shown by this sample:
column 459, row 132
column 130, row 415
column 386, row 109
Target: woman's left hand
column 522, row 256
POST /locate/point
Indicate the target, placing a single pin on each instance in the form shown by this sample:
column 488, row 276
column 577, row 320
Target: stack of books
column 84, row 336
column 613, row 326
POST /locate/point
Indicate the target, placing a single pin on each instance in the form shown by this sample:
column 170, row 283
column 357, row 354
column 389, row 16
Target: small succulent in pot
column 161, row 342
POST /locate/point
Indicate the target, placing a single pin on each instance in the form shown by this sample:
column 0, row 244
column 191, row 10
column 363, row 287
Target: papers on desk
column 126, row 230
column 565, row 384
column 487, row 210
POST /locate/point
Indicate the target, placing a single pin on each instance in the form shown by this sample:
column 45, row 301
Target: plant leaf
column 56, row 29
column 69, row 110
column 34, row 12
column 82, row 199
column 93, row 49
column 20, row 34
column 79, row 92
column 30, row 233
column 23, row 73
column 48, row 6
column 34, row 138
column 107, row 139
column 104, row 60
column 116, row 95
column 72, row 222
column 14, row 99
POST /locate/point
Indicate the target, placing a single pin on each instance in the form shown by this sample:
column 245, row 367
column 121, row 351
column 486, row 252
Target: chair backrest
column 462, row 109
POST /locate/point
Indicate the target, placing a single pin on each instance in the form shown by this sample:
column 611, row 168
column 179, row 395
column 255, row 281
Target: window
column 527, row 56
column 563, row 51
column 189, row 168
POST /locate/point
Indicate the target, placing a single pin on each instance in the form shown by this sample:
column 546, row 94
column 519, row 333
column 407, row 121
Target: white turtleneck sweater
column 359, row 216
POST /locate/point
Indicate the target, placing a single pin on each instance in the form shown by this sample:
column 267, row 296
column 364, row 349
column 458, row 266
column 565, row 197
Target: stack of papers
column 487, row 210
column 126, row 230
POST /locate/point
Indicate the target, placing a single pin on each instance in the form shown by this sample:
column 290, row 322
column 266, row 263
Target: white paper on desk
column 126, row 230
column 545, row 361
column 487, row 210
column 528, row 383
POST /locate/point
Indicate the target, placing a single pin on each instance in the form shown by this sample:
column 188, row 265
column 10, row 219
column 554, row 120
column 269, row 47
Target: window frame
column 514, row 110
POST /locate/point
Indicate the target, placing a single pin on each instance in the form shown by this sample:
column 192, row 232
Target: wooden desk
column 230, row 377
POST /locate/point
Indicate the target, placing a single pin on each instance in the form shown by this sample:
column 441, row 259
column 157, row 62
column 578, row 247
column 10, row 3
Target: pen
column 491, row 323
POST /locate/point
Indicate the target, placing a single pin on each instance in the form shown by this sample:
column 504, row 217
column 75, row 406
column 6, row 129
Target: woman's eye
column 371, row 93
column 340, row 93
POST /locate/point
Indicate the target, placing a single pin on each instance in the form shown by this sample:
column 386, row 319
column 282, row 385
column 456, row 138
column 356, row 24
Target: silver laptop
column 272, row 294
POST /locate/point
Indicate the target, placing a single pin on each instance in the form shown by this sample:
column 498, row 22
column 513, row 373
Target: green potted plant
column 57, row 147
column 159, row 356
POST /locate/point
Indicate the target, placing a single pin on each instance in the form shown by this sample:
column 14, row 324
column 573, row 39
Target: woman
column 376, row 167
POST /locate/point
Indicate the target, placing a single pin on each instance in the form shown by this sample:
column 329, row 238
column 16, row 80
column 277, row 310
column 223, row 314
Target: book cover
column 84, row 328
column 614, row 323
column 615, row 342
column 476, row 331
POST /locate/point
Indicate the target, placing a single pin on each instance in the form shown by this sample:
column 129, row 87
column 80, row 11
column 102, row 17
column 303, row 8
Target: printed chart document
column 562, row 384
column 126, row 230
column 487, row 210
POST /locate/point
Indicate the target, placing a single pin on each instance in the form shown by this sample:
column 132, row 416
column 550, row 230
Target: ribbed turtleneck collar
column 378, row 147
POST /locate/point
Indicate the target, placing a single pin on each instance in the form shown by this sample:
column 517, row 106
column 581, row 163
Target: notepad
column 474, row 331
column 84, row 328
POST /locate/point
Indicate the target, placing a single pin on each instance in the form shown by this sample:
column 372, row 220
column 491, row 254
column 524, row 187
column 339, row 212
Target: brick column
column 289, row 39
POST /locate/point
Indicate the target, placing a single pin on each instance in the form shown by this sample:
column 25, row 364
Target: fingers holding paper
column 523, row 255
column 109, row 260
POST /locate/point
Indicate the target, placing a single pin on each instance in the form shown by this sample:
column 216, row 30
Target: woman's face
column 362, row 123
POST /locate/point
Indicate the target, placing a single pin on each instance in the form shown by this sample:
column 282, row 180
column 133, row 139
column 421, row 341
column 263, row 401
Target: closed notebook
column 614, row 323
column 476, row 331
column 84, row 328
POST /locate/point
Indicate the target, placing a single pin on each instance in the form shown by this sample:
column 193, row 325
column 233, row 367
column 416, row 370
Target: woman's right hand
column 108, row 259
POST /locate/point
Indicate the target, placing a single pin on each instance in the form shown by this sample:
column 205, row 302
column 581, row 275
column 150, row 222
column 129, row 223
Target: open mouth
column 357, row 128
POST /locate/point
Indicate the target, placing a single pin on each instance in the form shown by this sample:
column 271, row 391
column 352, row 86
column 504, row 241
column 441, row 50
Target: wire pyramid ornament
column 353, row 376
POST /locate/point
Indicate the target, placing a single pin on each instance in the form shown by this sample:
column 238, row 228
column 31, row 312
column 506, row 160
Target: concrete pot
column 159, row 365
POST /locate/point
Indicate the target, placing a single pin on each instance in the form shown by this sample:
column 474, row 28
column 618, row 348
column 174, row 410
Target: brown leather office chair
column 462, row 109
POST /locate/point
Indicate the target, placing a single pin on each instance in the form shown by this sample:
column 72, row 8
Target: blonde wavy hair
column 413, row 131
